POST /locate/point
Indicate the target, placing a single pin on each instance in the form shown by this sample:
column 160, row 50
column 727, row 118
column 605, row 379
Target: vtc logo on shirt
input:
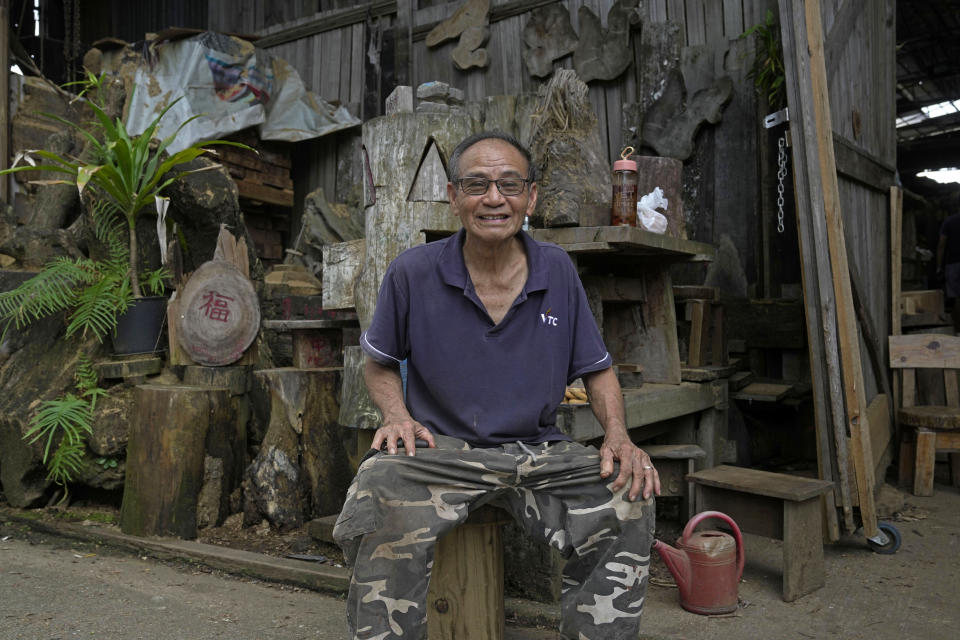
column 546, row 318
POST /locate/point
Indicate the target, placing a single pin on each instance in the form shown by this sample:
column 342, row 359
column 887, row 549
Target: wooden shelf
column 644, row 407
column 624, row 241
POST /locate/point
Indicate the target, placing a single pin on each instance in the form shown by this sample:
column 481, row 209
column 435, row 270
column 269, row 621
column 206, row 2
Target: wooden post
column 896, row 301
column 465, row 599
column 818, row 295
column 165, row 458
column 802, row 31
column 5, row 99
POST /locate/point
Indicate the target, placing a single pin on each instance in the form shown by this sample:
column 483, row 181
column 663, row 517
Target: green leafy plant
column 107, row 463
column 64, row 424
column 130, row 172
column 94, row 292
column 768, row 73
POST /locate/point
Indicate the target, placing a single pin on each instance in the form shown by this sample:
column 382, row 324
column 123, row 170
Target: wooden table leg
column 803, row 568
column 925, row 461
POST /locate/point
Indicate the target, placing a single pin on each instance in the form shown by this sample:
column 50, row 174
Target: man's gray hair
column 469, row 141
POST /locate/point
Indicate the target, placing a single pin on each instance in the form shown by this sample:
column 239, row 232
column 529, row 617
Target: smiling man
column 493, row 326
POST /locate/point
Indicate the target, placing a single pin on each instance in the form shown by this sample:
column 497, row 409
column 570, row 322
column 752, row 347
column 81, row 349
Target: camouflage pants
column 398, row 506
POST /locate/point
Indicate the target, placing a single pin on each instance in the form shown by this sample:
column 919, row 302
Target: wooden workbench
column 626, row 272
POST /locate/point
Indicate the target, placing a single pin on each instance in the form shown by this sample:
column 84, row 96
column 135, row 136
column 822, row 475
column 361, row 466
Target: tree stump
column 165, row 457
column 226, row 442
column 302, row 469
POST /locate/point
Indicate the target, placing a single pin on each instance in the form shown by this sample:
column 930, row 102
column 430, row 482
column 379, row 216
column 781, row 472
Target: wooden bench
column 775, row 505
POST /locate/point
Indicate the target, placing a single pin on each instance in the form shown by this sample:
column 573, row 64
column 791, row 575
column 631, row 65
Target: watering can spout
column 677, row 562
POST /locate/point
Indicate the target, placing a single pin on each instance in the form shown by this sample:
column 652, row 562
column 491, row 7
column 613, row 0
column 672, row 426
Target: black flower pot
column 140, row 327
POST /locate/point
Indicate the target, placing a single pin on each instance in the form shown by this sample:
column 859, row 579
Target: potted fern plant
column 125, row 179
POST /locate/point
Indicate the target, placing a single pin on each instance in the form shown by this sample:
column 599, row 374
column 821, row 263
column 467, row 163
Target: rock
column 199, row 204
column 325, row 223
column 433, row 91
column 111, row 427
column 433, row 107
column 101, row 476
column 41, row 367
column 889, row 501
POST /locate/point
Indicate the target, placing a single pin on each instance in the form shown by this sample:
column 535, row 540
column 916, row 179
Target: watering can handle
column 706, row 515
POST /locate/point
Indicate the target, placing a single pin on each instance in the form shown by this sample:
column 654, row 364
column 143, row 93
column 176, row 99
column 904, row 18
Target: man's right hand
column 408, row 431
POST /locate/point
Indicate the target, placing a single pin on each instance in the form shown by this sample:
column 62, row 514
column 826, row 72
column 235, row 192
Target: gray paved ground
column 54, row 588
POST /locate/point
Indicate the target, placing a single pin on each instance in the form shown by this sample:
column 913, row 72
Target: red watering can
column 707, row 565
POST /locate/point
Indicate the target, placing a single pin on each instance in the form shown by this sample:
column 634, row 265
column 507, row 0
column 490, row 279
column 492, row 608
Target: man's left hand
column 635, row 467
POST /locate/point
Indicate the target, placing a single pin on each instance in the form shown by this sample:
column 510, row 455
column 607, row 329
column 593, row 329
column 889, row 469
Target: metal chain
column 781, row 176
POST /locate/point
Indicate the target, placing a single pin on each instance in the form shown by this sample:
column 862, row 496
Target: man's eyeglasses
column 479, row 186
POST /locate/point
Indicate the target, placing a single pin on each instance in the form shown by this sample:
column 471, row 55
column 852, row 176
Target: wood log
column 219, row 314
column 473, row 13
column 604, row 54
column 358, row 413
column 395, row 145
column 656, row 171
column 281, row 484
column 671, row 124
column 316, row 348
column 341, row 266
column 325, row 460
column 165, row 457
column 548, row 35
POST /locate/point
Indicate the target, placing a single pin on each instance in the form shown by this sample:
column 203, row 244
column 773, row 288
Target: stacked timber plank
column 265, row 187
column 262, row 175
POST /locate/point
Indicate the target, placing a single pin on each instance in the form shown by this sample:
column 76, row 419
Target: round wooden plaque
column 219, row 314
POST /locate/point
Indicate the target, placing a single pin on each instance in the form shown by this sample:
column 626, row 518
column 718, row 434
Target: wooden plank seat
column 927, row 429
column 465, row 599
column 776, row 505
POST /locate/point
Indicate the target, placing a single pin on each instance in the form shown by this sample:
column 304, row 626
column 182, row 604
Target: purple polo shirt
column 468, row 378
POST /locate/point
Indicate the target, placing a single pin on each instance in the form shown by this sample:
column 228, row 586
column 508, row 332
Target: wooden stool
column 937, row 429
column 775, row 505
column 705, row 314
column 465, row 599
column 929, row 428
column 674, row 462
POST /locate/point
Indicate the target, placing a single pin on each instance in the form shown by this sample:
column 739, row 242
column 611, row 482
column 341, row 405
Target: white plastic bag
column 647, row 215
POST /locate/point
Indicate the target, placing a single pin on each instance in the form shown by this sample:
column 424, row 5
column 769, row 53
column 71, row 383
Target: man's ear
column 451, row 192
column 532, row 203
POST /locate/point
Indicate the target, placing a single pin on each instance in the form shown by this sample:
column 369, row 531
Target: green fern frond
column 68, row 415
column 66, row 462
column 97, row 306
column 50, row 291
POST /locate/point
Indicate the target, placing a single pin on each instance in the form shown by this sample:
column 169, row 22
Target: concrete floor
column 54, row 587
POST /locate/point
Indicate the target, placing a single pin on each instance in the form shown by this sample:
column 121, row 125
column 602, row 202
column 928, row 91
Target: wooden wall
column 354, row 53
